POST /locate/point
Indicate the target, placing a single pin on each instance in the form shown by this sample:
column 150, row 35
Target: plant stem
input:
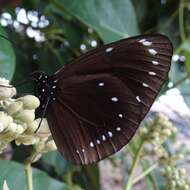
column 134, row 165
column 181, row 21
column 145, row 173
column 28, row 173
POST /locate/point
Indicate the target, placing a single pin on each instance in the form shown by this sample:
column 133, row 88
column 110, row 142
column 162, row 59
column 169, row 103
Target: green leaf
column 176, row 74
column 112, row 19
column 54, row 159
column 92, row 176
column 88, row 178
column 14, row 174
column 154, row 180
column 7, row 57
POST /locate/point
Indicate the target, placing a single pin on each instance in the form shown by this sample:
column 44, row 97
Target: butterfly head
column 45, row 87
column 36, row 76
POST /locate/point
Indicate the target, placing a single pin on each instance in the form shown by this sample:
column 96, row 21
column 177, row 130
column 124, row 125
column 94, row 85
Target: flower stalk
column 134, row 165
column 28, row 173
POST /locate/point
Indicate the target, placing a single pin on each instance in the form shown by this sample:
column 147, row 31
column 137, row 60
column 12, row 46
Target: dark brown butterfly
column 95, row 104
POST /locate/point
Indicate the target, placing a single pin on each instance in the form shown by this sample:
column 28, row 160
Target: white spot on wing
column 152, row 51
column 147, row 43
column 109, row 49
column 103, row 137
column 114, row 99
column 98, row 141
column 77, row 151
column 138, row 98
column 118, row 129
column 142, row 40
column 110, row 134
column 155, row 63
column 151, row 73
column 101, row 84
column 91, row 144
column 83, row 150
column 120, row 115
column 145, row 85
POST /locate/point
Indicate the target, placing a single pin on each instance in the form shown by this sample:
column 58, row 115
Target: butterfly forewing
column 102, row 96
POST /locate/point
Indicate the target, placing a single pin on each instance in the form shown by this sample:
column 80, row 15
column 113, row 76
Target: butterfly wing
column 102, row 96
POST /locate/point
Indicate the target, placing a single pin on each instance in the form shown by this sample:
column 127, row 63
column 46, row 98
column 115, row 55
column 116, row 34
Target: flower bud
column 186, row 187
column 167, row 132
column 4, row 121
column 14, row 107
column 174, row 129
column 30, row 102
column 5, row 90
column 26, row 140
column 173, row 183
column 40, row 146
column 182, row 171
column 50, row 146
column 43, row 131
column 13, row 129
column 26, row 116
column 32, row 127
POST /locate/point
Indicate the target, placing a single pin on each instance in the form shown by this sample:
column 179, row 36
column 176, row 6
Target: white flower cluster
column 17, row 121
column 176, row 178
column 158, row 132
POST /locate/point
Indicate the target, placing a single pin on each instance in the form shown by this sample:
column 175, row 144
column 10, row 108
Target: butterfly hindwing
column 96, row 123
column 102, row 96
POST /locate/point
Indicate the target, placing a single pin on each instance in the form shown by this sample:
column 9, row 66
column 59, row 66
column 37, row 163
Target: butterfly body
column 96, row 103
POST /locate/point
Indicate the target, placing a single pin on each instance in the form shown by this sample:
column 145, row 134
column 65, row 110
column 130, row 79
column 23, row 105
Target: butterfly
column 95, row 104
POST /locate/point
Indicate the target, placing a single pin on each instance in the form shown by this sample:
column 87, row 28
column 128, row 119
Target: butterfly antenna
column 43, row 115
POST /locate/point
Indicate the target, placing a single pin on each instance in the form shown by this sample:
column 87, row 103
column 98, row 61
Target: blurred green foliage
column 71, row 28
